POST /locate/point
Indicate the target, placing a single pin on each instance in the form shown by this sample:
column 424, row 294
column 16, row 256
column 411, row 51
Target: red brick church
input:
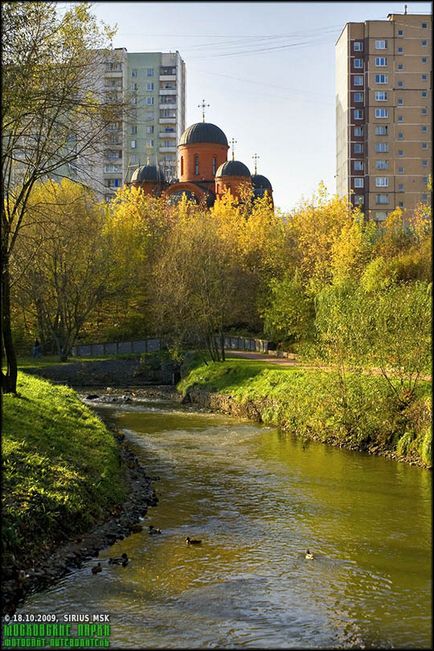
column 204, row 170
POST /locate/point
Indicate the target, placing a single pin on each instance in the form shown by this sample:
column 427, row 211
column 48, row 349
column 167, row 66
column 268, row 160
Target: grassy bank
column 361, row 413
column 61, row 470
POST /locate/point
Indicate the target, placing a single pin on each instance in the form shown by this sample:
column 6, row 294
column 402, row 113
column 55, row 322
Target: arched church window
column 214, row 165
column 182, row 165
column 196, row 165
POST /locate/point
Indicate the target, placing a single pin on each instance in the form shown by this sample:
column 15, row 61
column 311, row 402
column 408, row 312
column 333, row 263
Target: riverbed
column 257, row 499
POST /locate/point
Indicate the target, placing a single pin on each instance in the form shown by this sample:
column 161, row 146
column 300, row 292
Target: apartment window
column 424, row 163
column 400, row 170
column 113, row 183
column 358, row 97
column 358, row 131
column 424, row 93
column 358, row 63
column 134, row 130
column 150, row 142
column 423, row 111
column 382, row 198
column 424, row 25
column 400, row 152
column 358, row 148
column 424, row 145
column 381, row 62
column 381, row 164
column 134, row 86
column 359, row 182
column 381, row 182
column 150, row 86
column 400, row 32
column 149, row 72
column 358, row 46
column 425, row 180
column 381, row 45
column 149, row 101
column 358, row 80
column 400, row 204
column 400, row 50
column 380, row 96
column 400, row 118
column 150, row 129
column 400, row 187
column 400, row 84
column 424, row 43
column 381, row 130
column 196, row 165
column 381, row 147
column 424, row 77
column 381, row 79
column 400, row 66
column 400, row 136
column 358, row 114
column 424, row 59
column 424, row 197
column 358, row 165
column 380, row 216
column 359, row 199
column 381, row 113
column 134, row 72
column 133, row 144
column 424, row 128
column 134, row 99
column 400, row 101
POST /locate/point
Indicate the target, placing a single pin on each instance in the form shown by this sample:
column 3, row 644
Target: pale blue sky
column 267, row 69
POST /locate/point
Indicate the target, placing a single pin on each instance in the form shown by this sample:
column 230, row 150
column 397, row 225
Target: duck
column 189, row 541
column 97, row 568
column 153, row 530
column 119, row 560
column 308, row 554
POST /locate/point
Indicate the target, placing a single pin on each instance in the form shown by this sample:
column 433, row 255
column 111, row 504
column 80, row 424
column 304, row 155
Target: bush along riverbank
column 70, row 487
column 357, row 412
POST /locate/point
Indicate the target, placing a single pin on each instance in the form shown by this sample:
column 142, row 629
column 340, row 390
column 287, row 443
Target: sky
column 267, row 70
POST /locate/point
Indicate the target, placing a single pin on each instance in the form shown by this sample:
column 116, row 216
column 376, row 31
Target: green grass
column 61, row 470
column 362, row 414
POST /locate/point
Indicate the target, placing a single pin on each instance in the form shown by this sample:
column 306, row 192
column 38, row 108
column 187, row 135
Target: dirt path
column 262, row 357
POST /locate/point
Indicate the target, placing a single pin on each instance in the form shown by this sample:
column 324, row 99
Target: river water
column 257, row 499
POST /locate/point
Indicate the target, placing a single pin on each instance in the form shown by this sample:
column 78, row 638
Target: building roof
column 261, row 182
column 147, row 173
column 233, row 168
column 203, row 132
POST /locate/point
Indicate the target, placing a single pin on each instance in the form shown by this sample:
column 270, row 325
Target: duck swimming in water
column 120, row 560
column 309, row 555
column 153, row 530
column 97, row 568
column 189, row 541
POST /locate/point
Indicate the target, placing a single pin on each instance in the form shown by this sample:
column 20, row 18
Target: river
column 258, row 499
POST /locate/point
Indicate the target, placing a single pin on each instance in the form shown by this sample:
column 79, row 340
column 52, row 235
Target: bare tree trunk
column 8, row 379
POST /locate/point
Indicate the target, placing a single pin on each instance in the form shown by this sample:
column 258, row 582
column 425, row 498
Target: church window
column 214, row 165
column 182, row 165
column 196, row 165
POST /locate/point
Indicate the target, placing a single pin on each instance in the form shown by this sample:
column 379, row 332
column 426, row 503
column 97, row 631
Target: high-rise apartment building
column 152, row 86
column 383, row 113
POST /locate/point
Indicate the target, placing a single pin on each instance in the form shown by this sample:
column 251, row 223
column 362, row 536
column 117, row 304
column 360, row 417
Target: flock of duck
column 124, row 560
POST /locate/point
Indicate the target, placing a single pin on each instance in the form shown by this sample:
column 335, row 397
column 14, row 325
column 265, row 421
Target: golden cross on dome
column 255, row 158
column 203, row 106
column 233, row 143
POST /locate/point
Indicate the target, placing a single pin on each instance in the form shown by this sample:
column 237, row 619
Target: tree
column 52, row 115
column 71, row 272
column 194, row 284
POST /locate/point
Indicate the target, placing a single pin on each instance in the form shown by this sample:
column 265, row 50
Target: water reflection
column 257, row 499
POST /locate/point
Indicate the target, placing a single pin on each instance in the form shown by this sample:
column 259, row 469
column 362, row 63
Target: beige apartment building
column 383, row 113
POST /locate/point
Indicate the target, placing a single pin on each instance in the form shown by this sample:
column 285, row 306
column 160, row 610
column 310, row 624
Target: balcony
column 167, row 121
column 167, row 134
column 167, row 150
column 172, row 105
column 167, row 77
column 167, row 91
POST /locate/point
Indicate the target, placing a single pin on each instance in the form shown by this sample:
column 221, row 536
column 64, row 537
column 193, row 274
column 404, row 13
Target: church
column 205, row 172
